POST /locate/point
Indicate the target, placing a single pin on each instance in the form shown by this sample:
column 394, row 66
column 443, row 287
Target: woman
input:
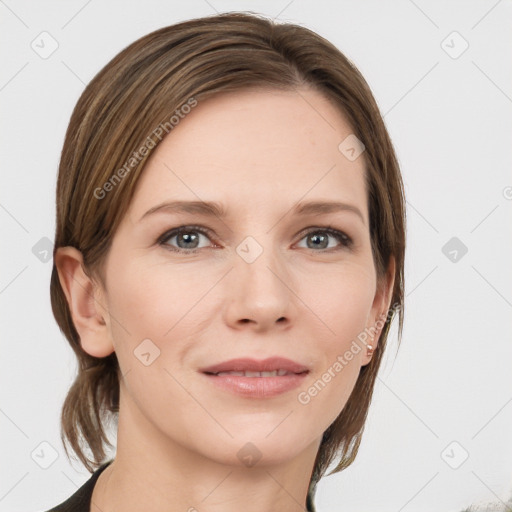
column 228, row 259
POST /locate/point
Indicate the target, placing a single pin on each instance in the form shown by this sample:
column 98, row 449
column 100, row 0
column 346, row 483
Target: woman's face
column 262, row 280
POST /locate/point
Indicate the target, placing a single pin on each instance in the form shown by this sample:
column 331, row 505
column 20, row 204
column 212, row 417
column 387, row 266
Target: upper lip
column 255, row 365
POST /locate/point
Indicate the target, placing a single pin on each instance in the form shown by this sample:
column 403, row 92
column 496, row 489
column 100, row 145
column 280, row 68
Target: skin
column 258, row 153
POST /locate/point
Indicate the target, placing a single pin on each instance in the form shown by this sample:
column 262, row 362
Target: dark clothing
column 81, row 500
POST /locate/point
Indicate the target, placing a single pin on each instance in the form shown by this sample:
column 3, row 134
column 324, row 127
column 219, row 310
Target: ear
column 380, row 308
column 86, row 302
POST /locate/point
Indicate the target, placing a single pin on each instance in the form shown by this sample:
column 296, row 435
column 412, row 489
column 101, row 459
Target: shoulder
column 80, row 501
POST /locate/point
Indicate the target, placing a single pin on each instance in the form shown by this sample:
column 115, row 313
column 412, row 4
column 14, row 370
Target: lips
column 254, row 379
column 249, row 365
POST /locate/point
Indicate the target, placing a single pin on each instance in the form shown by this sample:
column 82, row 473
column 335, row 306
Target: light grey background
column 449, row 116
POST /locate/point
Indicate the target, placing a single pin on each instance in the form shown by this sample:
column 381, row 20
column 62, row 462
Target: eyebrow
column 214, row 209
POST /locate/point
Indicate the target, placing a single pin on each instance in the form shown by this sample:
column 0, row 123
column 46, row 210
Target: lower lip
column 257, row 387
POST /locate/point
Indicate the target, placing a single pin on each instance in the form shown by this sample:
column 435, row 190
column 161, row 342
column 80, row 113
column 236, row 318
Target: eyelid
column 171, row 233
column 345, row 241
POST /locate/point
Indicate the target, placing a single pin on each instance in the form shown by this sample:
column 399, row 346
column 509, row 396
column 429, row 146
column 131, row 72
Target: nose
column 259, row 295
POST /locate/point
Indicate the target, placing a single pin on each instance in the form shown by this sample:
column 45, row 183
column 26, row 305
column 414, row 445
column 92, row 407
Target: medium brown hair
column 139, row 90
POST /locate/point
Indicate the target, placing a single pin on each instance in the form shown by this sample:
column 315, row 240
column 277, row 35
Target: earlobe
column 85, row 302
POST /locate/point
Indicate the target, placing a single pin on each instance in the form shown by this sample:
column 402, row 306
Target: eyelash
column 345, row 241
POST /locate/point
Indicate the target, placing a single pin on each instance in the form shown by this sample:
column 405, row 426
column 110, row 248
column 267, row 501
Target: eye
column 187, row 238
column 319, row 238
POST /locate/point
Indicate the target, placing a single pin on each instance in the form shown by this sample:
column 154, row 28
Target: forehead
column 251, row 149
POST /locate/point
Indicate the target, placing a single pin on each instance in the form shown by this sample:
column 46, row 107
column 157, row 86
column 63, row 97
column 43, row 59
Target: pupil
column 317, row 237
column 187, row 238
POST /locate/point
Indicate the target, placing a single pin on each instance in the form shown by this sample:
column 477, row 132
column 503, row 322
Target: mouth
column 257, row 368
column 251, row 378
column 248, row 373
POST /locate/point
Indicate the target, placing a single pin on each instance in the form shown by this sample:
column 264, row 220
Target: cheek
column 343, row 305
column 156, row 303
column 151, row 324
column 142, row 294
column 343, row 301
